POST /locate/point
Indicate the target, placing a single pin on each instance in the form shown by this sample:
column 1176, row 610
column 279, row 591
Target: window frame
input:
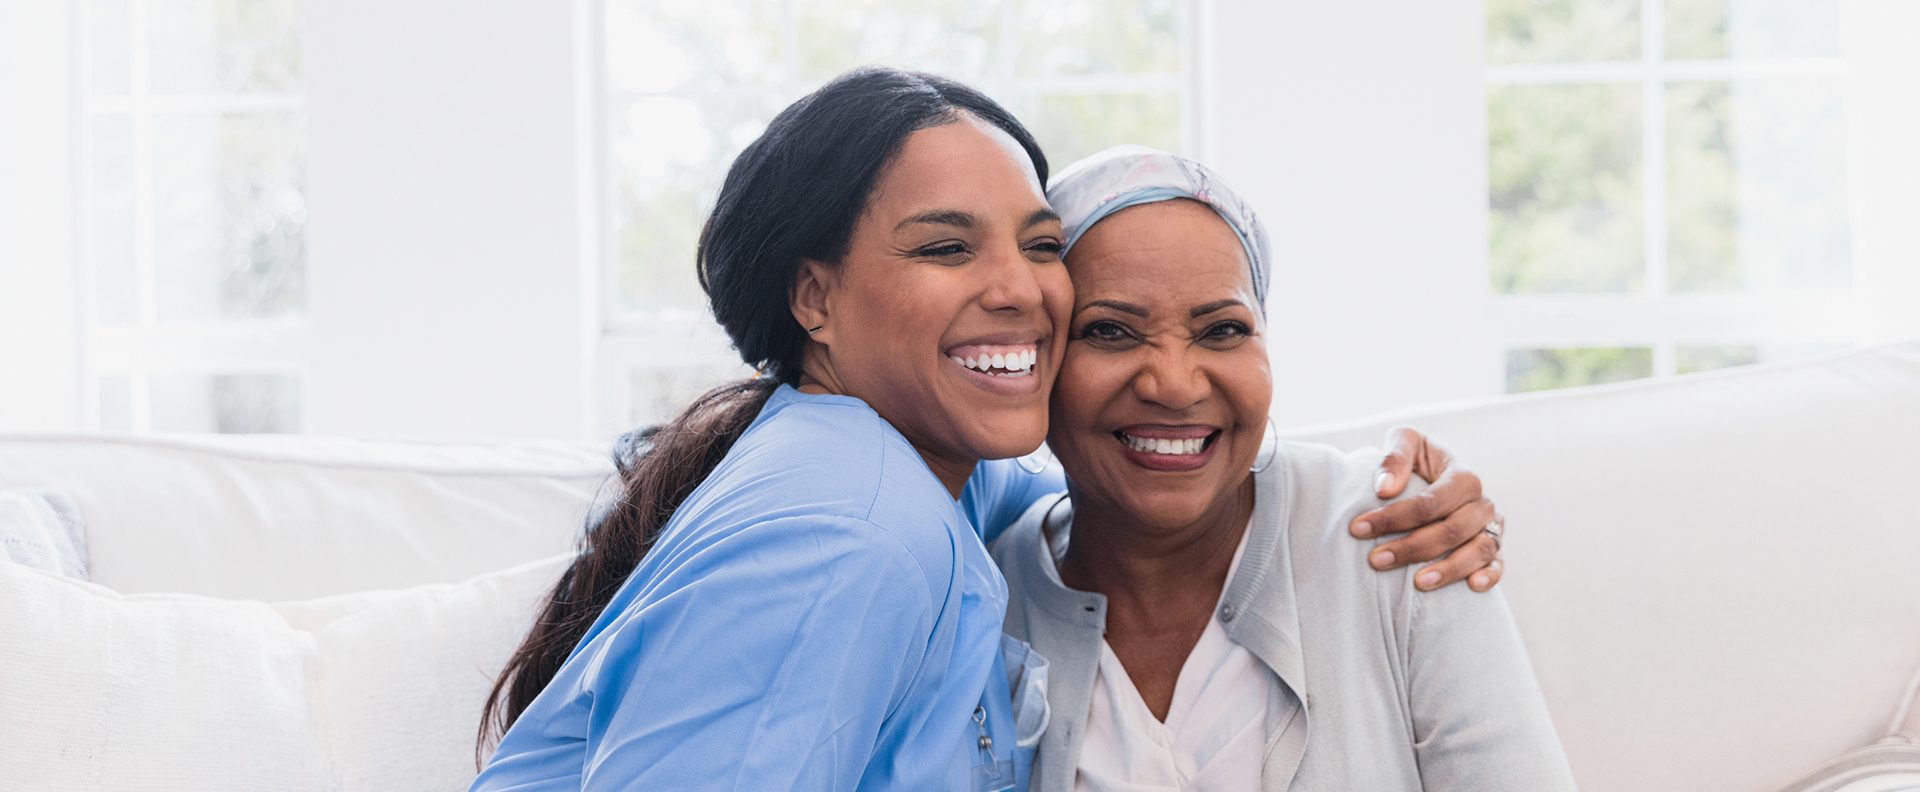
column 147, row 346
column 1654, row 316
column 629, row 343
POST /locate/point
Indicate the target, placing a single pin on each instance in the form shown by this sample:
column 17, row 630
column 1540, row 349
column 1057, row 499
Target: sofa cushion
column 372, row 691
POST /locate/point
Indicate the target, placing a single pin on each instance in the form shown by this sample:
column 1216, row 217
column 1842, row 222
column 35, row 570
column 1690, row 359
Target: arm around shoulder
column 1001, row 490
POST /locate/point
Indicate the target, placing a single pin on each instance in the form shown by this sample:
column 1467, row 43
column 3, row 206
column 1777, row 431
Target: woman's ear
column 811, row 299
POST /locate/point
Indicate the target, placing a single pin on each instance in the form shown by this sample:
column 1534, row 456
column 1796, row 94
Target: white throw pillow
column 374, row 691
column 42, row 530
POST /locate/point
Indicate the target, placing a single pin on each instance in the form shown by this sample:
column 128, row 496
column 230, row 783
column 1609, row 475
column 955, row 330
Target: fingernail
column 1428, row 578
column 1480, row 581
column 1383, row 559
column 1494, row 565
column 1380, row 482
column 1363, row 529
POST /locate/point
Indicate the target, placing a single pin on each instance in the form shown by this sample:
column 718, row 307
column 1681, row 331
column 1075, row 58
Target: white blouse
column 1214, row 738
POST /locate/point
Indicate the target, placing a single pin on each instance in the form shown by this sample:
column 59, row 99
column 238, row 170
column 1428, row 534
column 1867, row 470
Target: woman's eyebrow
column 1123, row 307
column 1040, row 216
column 1216, row 305
column 950, row 217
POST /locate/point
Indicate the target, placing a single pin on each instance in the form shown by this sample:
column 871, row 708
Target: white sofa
column 1718, row 577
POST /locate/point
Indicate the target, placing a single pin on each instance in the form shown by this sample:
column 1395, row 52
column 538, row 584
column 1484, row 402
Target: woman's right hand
column 1452, row 515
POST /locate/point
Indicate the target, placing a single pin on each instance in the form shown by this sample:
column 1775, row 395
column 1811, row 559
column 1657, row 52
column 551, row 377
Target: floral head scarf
column 1089, row 190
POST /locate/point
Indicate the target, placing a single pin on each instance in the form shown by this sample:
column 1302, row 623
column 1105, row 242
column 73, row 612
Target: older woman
column 1209, row 622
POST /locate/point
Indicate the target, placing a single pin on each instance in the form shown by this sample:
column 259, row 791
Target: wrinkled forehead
column 1111, row 181
column 1171, row 251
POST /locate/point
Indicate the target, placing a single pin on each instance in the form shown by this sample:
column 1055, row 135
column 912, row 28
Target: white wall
column 39, row 345
column 1883, row 119
column 1366, row 157
column 450, row 292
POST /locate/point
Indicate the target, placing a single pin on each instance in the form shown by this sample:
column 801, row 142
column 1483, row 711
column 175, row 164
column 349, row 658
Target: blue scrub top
column 818, row 615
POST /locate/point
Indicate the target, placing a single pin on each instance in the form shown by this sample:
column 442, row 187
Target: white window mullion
column 1002, row 75
column 1653, row 141
column 143, row 100
column 1080, row 84
column 1197, row 102
column 1633, row 71
column 140, row 122
column 789, row 45
column 1544, row 321
column 1664, row 364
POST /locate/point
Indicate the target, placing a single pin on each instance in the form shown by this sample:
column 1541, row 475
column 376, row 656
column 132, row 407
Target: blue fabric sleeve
column 1000, row 491
column 759, row 668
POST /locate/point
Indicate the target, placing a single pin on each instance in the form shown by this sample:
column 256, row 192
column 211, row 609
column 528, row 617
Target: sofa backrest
column 1718, row 575
column 280, row 518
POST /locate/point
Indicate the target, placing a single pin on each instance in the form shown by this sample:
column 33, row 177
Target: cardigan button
column 1226, row 613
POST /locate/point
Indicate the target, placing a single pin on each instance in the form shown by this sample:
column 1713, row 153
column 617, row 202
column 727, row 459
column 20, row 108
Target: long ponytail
column 792, row 195
column 657, row 472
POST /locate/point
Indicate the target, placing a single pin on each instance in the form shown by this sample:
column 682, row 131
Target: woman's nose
column 1172, row 379
column 1013, row 284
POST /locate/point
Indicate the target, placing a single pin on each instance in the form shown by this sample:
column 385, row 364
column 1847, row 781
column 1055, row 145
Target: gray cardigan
column 1383, row 687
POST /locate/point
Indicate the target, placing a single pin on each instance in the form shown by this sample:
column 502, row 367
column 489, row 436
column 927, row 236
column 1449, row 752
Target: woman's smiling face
column 1162, row 400
column 946, row 313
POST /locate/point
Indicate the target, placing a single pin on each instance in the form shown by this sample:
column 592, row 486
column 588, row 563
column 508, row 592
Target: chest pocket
column 1007, row 730
column 1027, row 678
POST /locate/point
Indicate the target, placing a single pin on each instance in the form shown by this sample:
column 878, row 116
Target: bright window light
column 1655, row 163
column 688, row 85
column 195, row 213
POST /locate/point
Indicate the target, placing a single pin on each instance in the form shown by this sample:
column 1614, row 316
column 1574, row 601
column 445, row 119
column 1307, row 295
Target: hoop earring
column 1272, row 444
column 1037, row 462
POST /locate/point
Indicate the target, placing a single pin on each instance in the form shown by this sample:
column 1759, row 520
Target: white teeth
column 1005, row 364
column 1148, row 445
